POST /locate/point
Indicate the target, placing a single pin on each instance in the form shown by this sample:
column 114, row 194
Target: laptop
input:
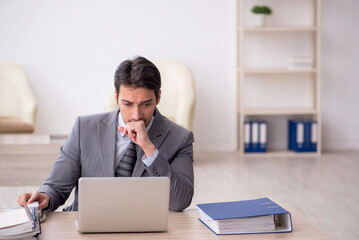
column 121, row 204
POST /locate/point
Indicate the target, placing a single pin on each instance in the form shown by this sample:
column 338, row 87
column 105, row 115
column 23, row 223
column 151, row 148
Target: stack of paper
column 240, row 225
column 19, row 223
column 251, row 216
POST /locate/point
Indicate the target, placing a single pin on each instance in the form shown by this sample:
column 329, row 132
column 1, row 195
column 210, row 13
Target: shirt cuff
column 149, row 160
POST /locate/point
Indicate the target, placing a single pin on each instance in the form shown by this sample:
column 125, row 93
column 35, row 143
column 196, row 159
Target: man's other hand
column 26, row 198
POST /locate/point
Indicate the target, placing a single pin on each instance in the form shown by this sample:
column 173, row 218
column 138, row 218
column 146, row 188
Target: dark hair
column 139, row 73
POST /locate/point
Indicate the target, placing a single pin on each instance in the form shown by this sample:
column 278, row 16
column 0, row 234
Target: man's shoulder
column 104, row 117
column 175, row 128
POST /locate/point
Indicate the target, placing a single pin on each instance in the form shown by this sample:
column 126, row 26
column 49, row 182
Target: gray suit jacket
column 89, row 151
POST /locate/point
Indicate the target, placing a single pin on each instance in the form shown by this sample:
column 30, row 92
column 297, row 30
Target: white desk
column 181, row 225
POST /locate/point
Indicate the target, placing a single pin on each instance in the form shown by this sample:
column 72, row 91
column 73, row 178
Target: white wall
column 70, row 50
column 340, row 75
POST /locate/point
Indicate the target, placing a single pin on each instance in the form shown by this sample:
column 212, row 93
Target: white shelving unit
column 267, row 88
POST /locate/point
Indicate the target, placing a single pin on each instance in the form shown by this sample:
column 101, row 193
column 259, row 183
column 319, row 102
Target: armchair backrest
column 178, row 92
column 16, row 96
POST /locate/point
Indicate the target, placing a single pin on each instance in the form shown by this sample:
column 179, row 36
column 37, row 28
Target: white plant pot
column 260, row 20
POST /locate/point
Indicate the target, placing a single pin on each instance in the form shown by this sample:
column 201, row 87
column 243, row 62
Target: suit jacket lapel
column 107, row 140
column 157, row 135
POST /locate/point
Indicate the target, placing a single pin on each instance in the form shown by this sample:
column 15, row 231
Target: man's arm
column 177, row 164
column 180, row 171
column 65, row 172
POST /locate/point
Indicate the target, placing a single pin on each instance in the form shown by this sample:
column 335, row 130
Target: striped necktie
column 127, row 162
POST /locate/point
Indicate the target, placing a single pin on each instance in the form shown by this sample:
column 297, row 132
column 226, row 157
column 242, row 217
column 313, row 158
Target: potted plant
column 261, row 12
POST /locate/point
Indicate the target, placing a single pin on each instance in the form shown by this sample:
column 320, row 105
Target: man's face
column 137, row 103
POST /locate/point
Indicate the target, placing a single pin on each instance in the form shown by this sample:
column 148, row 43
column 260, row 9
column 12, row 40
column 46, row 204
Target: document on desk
column 250, row 216
column 13, row 217
column 19, row 223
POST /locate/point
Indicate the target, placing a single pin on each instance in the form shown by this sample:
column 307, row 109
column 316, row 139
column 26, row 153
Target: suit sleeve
column 180, row 170
column 65, row 172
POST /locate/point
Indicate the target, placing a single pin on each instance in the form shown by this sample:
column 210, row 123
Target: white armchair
column 178, row 92
column 18, row 106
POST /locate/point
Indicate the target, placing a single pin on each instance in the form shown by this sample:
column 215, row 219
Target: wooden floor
column 323, row 190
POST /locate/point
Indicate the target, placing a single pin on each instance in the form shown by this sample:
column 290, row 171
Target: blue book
column 245, row 217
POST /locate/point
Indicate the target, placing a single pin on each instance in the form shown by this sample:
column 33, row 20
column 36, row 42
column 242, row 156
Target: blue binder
column 215, row 212
column 247, row 136
column 310, row 139
column 296, row 136
column 302, row 136
column 262, row 136
column 314, row 136
column 307, row 135
column 291, row 135
column 255, row 136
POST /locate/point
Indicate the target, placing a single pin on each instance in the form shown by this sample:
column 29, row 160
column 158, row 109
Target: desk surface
column 181, row 225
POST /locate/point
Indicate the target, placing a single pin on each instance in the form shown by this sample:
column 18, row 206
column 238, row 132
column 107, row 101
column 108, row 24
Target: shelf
column 279, row 29
column 268, row 87
column 282, row 153
column 277, row 70
column 278, row 111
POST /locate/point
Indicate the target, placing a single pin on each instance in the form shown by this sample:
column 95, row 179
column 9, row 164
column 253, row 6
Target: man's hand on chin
column 136, row 131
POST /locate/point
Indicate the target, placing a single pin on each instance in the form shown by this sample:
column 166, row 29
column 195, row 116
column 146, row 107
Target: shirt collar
column 121, row 123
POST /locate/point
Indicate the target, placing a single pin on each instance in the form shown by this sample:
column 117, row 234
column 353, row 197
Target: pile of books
column 242, row 217
column 20, row 223
column 239, row 225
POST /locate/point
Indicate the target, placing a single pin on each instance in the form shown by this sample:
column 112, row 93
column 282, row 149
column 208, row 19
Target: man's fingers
column 44, row 203
column 122, row 129
column 22, row 199
column 130, row 133
column 132, row 129
column 133, row 137
column 27, row 198
column 34, row 196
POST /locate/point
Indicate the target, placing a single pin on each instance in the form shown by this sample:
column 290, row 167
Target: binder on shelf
column 302, row 136
column 247, row 136
column 314, row 136
column 262, row 136
column 307, row 135
column 243, row 217
column 310, row 141
column 255, row 136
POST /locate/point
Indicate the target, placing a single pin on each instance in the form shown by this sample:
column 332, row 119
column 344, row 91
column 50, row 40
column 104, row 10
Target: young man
column 100, row 144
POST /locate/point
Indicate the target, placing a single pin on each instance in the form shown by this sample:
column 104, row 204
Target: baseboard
column 24, row 139
column 58, row 139
column 340, row 144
